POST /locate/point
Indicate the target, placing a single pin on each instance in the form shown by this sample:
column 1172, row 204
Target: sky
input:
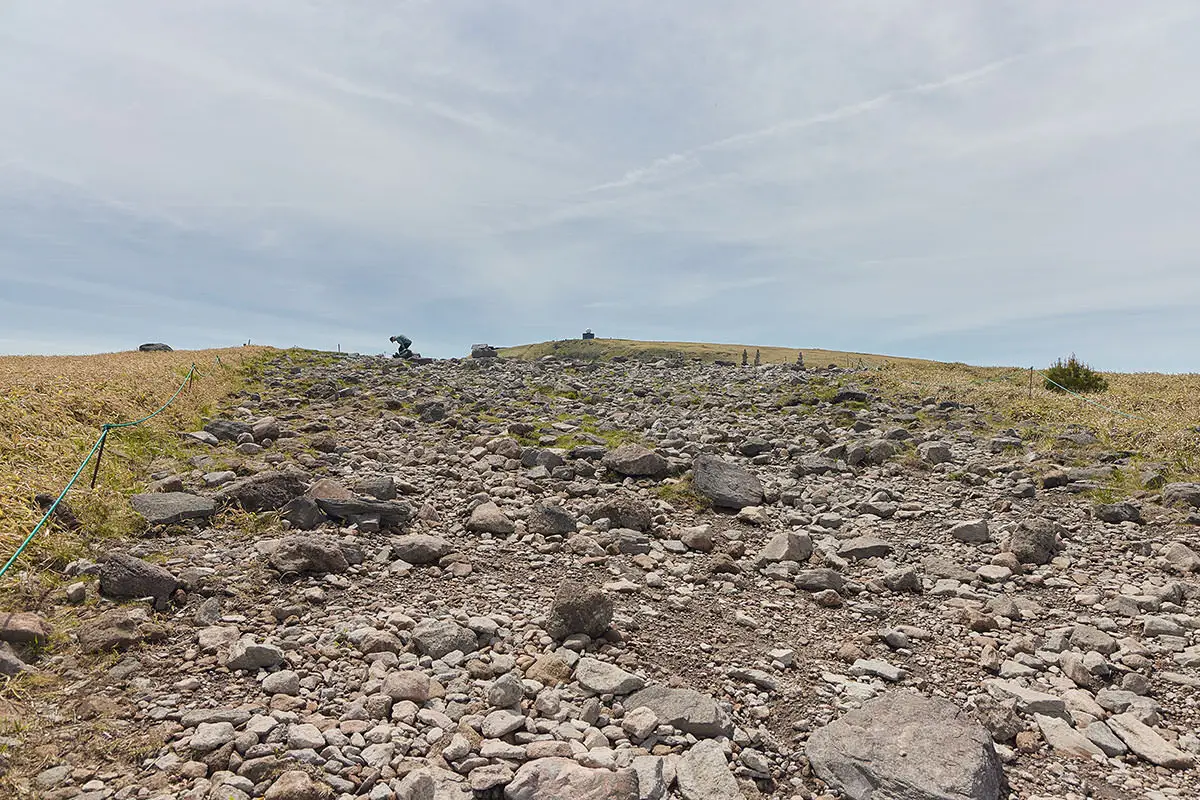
column 984, row 181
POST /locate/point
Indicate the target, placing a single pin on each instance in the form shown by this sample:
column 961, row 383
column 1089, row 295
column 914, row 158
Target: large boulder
column 686, row 709
column 155, row 347
column 387, row 513
column 634, row 460
column 170, row 508
column 313, row 555
column 126, row 576
column 24, row 628
column 906, row 745
column 726, row 485
column 267, row 491
column 564, row 779
column 579, row 608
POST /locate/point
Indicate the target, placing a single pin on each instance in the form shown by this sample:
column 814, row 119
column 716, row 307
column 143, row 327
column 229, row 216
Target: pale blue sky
column 990, row 182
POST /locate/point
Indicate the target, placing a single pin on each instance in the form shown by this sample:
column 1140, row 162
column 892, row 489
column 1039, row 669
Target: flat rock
column 637, row 461
column 1145, row 742
column 703, row 774
column 686, row 709
column 564, row 779
column 436, row 638
column 266, row 491
column 24, row 627
column 171, row 508
column 904, row 745
column 601, row 677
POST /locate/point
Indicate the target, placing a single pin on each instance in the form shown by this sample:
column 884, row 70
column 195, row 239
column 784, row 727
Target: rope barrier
column 1092, row 402
column 98, row 447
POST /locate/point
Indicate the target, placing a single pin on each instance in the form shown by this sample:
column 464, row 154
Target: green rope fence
column 98, row 447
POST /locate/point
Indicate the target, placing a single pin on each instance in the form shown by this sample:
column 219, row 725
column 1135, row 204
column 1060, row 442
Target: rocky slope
column 623, row 580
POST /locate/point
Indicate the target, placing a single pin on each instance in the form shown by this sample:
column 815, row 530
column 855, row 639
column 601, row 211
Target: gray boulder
column 636, row 461
column 489, row 518
column 579, row 608
column 1116, row 513
column 170, row 508
column 420, row 548
column 623, row 511
column 703, row 774
column 228, row 430
column 1034, row 541
column 601, row 677
column 435, row 638
column 267, row 491
column 1182, row 494
column 905, row 745
column 564, row 779
column 126, row 576
column 548, row 520
column 155, row 347
column 303, row 513
column 787, row 546
column 312, row 555
column 726, row 485
column 686, row 709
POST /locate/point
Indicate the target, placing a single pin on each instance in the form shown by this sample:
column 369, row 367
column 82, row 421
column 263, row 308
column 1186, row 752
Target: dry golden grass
column 1168, row 406
column 51, row 410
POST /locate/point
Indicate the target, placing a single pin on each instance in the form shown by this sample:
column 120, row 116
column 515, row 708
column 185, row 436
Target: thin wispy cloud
column 977, row 181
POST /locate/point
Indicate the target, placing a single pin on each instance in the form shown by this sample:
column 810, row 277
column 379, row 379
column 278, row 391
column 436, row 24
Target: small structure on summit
column 404, row 345
column 588, row 334
column 484, row 351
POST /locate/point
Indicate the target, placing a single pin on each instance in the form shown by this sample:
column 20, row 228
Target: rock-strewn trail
column 636, row 580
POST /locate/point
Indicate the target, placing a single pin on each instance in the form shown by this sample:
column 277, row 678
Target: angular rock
column 601, row 677
column 266, row 491
column 126, row 576
column 634, row 460
column 420, row 548
column 1116, row 513
column 864, row 547
column 227, row 430
column 786, row 546
column 1182, row 557
column 390, row 513
column 1181, row 494
column 974, row 531
column 579, row 608
column 564, row 779
column 306, row 554
column 1034, row 541
column 297, row 785
column 488, row 518
column 548, row 520
column 117, row 630
column 703, row 774
column 1146, row 743
column 170, row 508
column 623, row 511
column 904, row 745
column 436, row 638
column 1065, row 739
column 686, row 709
column 24, row 627
column 303, row 513
column 249, row 654
column 726, row 485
